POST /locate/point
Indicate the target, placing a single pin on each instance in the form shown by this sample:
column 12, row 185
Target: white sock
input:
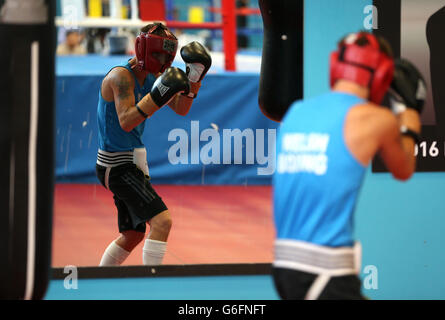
column 114, row 255
column 153, row 252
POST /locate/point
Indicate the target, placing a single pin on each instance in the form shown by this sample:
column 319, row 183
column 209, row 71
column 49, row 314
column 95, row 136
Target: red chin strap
column 148, row 43
column 365, row 65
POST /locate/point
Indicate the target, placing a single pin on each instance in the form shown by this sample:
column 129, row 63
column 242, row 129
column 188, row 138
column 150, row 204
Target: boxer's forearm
column 181, row 104
column 136, row 114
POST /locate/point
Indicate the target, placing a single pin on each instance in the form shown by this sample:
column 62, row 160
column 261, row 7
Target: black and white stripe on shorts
column 113, row 159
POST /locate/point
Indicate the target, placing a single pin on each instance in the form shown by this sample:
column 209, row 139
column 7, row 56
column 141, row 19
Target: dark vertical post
column 27, row 34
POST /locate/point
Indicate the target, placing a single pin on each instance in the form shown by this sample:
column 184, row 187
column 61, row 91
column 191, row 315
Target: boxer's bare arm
column 359, row 132
column 118, row 86
column 397, row 151
column 371, row 129
column 181, row 104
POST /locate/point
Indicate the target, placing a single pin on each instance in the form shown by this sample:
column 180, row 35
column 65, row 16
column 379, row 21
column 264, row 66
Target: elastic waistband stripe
column 299, row 253
column 113, row 159
column 113, row 154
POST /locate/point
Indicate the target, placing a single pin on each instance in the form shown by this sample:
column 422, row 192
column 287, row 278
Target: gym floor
column 211, row 224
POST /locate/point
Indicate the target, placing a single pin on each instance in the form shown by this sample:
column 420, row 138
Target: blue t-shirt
column 112, row 137
column 317, row 180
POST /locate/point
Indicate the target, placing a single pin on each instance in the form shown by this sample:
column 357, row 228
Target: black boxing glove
column 197, row 61
column 408, row 88
column 167, row 85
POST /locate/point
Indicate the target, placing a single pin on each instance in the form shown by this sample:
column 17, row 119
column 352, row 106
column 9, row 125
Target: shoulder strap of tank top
column 128, row 67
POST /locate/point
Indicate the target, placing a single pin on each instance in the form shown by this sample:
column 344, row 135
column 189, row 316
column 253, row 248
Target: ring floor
column 211, row 224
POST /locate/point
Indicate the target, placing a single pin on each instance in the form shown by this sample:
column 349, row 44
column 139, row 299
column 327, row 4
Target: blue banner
column 225, row 139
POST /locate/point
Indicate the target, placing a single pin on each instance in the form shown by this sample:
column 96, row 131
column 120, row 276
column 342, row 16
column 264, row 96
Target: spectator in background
column 72, row 44
column 96, row 40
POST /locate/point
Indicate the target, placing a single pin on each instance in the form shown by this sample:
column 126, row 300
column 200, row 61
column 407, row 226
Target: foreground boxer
column 324, row 147
column 129, row 95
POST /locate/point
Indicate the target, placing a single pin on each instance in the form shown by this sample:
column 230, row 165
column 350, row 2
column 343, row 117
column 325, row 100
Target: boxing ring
column 223, row 19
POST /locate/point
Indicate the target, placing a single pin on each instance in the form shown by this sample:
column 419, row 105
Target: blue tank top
column 112, row 137
column 317, row 180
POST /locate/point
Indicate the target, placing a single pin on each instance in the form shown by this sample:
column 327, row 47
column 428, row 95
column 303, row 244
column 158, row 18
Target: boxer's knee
column 161, row 224
column 130, row 239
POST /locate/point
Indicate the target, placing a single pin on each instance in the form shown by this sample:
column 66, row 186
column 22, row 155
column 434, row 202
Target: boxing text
column 303, row 153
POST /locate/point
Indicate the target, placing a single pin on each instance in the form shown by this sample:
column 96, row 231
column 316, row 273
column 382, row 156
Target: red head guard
column 364, row 65
column 148, row 43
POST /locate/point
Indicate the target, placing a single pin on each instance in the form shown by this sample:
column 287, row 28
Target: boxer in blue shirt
column 324, row 147
column 129, row 95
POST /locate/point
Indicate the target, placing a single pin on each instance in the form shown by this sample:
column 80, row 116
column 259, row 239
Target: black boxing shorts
column 295, row 285
column 135, row 198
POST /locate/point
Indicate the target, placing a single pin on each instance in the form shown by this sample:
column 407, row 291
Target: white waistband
column 312, row 258
column 113, row 159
